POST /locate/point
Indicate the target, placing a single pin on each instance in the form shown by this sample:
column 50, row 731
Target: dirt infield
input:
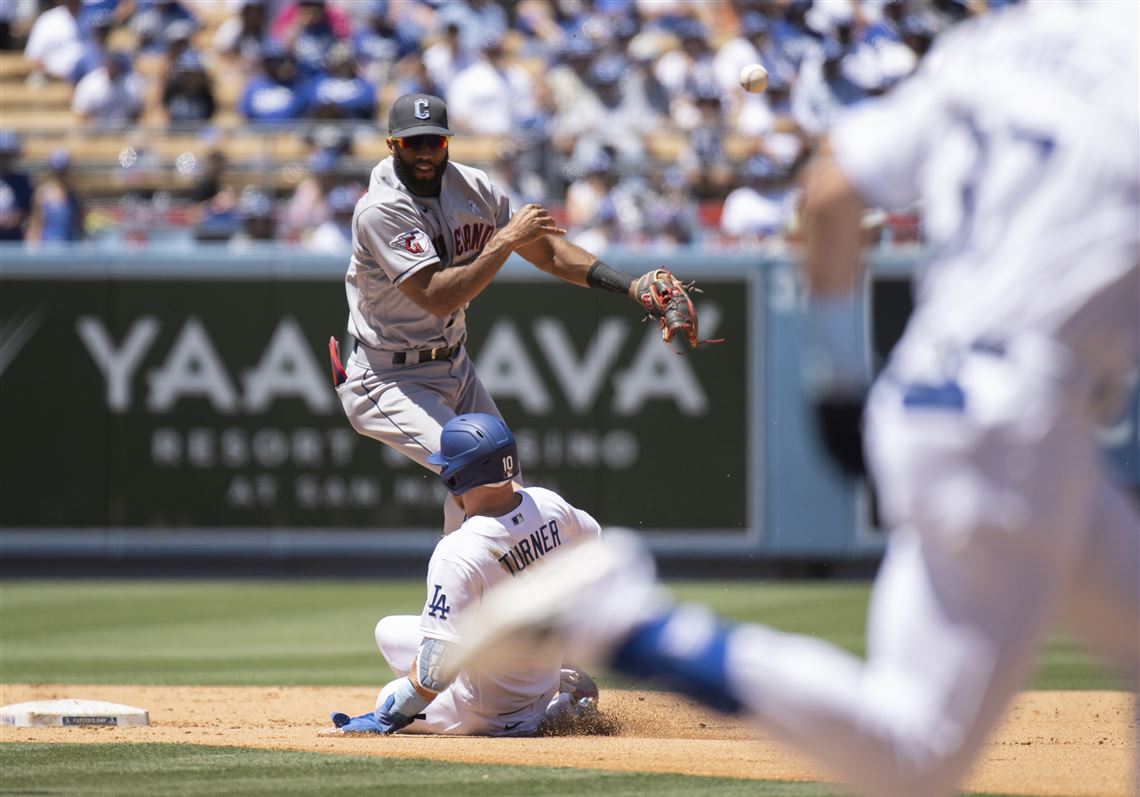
column 1077, row 744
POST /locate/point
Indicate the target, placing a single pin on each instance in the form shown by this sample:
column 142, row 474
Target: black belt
column 422, row 355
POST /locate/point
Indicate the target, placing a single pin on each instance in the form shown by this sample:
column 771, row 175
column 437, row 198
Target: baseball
column 754, row 78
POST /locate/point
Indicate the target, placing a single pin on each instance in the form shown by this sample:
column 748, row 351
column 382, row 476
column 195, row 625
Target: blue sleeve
column 245, row 104
column 306, row 96
column 296, row 109
column 363, row 103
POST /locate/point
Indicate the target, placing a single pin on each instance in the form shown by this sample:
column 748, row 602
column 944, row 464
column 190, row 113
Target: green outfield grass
column 131, row 769
column 308, row 633
column 320, row 633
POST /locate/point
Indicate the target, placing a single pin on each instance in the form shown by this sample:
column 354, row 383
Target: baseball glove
column 666, row 299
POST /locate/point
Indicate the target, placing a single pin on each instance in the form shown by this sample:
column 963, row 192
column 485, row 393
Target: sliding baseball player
column 508, row 532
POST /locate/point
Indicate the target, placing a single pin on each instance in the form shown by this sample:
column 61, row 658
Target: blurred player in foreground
column 508, row 531
column 1019, row 134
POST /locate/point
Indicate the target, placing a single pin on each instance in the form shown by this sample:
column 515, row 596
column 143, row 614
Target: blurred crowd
column 624, row 115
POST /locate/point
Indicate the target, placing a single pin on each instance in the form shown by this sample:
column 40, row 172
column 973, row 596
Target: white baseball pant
column 398, row 638
column 1003, row 518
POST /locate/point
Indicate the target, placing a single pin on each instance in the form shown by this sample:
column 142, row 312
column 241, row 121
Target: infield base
column 71, row 713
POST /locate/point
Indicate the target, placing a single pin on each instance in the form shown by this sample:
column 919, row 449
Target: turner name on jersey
column 487, row 550
column 531, row 548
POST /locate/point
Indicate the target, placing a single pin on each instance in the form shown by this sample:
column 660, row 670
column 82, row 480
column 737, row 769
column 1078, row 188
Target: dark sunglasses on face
column 416, row 142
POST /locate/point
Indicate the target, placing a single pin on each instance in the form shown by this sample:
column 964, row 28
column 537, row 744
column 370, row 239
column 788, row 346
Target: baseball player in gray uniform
column 508, row 532
column 1019, row 134
column 427, row 238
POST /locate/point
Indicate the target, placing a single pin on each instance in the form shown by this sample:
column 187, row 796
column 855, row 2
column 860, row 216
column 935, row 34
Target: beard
column 415, row 184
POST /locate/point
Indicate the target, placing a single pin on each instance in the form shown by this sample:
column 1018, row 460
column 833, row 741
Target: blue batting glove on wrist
column 384, row 721
column 391, row 719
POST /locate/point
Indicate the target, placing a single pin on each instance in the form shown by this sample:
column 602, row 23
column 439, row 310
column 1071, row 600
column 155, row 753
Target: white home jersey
column 1030, row 184
column 483, row 552
column 397, row 234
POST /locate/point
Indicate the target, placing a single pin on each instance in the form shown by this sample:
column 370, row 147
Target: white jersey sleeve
column 882, row 146
column 452, row 588
column 583, row 522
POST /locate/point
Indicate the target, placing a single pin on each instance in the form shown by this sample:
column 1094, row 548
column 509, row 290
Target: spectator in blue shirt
column 188, row 96
column 258, row 219
column 888, row 27
column 117, row 11
column 152, row 18
column 823, row 88
column 339, row 92
column 273, row 95
column 918, row 31
column 15, row 189
column 57, row 209
column 238, row 40
column 794, row 39
column 96, row 32
column 309, row 35
column 334, row 235
column 380, row 40
column 478, row 21
column 216, row 211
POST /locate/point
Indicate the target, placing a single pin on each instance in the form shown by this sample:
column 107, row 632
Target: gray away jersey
column 395, row 234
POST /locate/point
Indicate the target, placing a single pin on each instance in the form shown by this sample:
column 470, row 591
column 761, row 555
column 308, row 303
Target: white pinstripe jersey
column 395, row 234
column 1030, row 184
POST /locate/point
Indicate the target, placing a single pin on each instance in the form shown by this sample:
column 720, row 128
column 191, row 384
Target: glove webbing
column 668, row 297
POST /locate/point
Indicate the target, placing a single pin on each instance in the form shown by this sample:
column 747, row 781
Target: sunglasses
column 416, row 142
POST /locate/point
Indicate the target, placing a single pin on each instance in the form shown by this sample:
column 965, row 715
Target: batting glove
column 384, row 721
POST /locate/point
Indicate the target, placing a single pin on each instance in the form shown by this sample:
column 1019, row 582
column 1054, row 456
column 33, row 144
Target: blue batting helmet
column 475, row 449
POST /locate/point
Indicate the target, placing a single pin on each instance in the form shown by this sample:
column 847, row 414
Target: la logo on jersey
column 438, row 603
column 413, row 241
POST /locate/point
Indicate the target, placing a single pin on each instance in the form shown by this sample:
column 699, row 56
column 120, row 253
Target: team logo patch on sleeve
column 415, row 242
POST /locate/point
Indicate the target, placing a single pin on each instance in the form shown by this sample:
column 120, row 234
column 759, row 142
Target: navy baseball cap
column 418, row 115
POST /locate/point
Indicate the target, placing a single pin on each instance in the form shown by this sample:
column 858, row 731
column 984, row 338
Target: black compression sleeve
column 608, row 279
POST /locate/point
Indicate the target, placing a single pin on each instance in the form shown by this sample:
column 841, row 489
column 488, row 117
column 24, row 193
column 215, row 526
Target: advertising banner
column 136, row 402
